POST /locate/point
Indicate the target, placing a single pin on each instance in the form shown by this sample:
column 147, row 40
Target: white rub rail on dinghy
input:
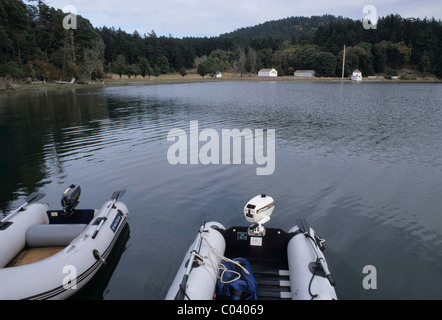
column 52, row 254
column 287, row 265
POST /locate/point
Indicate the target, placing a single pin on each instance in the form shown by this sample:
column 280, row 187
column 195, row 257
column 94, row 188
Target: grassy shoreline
column 116, row 81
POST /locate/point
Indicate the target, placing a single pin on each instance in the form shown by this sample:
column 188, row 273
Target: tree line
column 35, row 45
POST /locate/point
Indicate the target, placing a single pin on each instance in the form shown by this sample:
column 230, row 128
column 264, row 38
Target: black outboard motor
column 69, row 200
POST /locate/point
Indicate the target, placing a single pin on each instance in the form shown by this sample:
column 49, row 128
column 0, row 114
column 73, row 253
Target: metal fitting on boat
column 98, row 256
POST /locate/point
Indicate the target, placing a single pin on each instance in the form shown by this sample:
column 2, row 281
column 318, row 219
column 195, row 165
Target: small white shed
column 357, row 75
column 268, row 72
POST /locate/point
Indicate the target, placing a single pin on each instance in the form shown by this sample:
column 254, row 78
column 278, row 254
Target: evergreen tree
column 119, row 66
column 144, row 66
column 156, row 71
column 183, row 71
column 425, row 64
column 202, row 69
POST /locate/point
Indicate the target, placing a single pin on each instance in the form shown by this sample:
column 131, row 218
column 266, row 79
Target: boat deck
column 56, row 217
column 28, row 256
column 273, row 284
column 268, row 258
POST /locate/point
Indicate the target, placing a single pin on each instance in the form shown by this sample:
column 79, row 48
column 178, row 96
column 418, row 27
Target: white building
column 268, row 73
column 305, row 73
column 357, row 75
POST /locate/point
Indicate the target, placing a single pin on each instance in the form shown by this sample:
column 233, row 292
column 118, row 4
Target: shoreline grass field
column 114, row 80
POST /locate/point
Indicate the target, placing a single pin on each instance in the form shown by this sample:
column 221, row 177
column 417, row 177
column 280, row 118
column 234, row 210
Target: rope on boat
column 219, row 269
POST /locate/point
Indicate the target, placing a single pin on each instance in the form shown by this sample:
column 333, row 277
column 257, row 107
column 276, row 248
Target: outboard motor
column 258, row 211
column 69, row 200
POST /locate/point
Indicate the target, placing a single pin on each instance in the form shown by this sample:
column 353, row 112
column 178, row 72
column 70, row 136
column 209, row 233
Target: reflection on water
column 361, row 162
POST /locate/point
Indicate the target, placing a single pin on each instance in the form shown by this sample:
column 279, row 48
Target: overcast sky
column 211, row 18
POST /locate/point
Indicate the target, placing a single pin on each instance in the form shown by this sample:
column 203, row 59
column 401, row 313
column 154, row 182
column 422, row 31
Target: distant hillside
column 35, row 46
column 283, row 29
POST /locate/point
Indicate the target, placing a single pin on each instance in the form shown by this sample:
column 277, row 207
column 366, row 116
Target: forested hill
column 34, row 45
column 283, row 29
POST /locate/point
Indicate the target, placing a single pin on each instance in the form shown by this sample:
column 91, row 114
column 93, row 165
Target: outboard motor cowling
column 70, row 199
column 258, row 211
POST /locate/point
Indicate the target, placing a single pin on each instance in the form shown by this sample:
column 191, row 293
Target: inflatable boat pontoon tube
column 45, row 254
column 293, row 260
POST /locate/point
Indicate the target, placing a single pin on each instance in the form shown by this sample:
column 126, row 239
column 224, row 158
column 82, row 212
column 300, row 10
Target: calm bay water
column 362, row 162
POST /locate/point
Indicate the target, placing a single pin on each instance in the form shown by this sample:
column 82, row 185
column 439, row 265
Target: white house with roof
column 267, row 72
column 357, row 75
column 305, row 73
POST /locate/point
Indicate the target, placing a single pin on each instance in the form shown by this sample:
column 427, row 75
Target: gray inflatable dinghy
column 52, row 254
column 286, row 265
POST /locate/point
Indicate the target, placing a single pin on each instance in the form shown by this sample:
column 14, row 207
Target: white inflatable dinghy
column 284, row 265
column 52, row 254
